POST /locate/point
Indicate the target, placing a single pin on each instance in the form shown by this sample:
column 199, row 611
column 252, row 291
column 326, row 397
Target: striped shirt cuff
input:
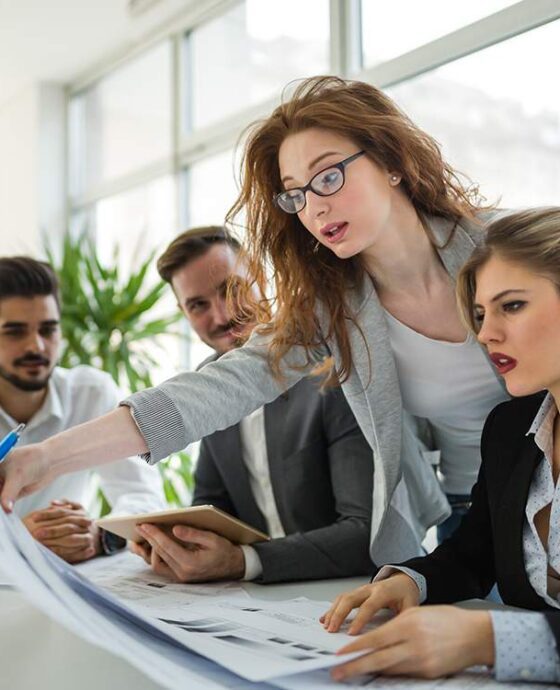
column 525, row 647
column 159, row 422
column 420, row 581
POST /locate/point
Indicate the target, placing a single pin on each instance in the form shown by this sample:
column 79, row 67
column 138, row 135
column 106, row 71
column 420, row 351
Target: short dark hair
column 22, row 276
column 192, row 244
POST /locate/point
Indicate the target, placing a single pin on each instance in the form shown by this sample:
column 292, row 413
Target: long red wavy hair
column 279, row 248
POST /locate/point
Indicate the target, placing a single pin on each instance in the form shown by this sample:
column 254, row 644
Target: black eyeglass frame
column 309, row 186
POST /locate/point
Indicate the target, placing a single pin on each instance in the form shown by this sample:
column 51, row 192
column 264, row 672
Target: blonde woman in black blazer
column 509, row 292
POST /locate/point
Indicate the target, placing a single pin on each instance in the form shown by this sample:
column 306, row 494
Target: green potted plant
column 107, row 322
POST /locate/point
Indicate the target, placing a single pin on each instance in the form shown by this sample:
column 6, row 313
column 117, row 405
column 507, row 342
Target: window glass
column 137, row 221
column 251, row 52
column 499, row 126
column 390, row 29
column 212, row 188
column 123, row 122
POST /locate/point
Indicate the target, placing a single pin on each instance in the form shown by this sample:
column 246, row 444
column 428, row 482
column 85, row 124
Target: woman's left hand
column 426, row 642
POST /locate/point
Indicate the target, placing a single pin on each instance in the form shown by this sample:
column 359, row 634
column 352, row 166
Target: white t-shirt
column 75, row 396
column 454, row 387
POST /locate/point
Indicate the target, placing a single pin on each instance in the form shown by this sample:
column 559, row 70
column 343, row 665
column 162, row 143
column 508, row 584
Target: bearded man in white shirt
column 49, row 399
column 298, row 468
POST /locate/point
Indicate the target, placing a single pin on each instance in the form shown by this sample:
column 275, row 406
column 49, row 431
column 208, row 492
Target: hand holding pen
column 9, row 441
column 6, row 445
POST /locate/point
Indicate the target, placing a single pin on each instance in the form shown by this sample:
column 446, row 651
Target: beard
column 27, row 385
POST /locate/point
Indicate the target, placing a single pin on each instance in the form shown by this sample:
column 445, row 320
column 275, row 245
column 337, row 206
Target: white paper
column 56, row 589
column 258, row 640
column 281, row 642
column 127, row 577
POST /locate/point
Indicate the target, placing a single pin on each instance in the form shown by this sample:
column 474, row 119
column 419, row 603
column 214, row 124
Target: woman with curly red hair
column 361, row 227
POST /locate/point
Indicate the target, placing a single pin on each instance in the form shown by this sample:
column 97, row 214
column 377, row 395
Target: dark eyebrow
column 314, row 163
column 24, row 324
column 502, row 294
column 190, row 300
column 14, row 324
column 195, row 298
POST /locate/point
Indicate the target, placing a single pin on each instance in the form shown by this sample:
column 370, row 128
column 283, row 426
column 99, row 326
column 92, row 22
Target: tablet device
column 205, row 517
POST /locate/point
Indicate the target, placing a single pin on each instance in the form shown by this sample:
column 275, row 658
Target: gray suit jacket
column 320, row 471
column 406, row 495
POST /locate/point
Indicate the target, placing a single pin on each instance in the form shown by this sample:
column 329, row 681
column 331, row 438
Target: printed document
column 56, row 589
column 166, row 643
column 199, row 642
column 259, row 640
column 127, row 577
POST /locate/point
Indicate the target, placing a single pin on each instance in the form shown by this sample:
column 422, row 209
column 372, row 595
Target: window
column 212, row 189
column 393, row 28
column 137, row 221
column 250, row 53
column 131, row 148
column 499, row 126
column 123, row 122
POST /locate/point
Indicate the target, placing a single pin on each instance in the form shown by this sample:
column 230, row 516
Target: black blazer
column 322, row 479
column 488, row 545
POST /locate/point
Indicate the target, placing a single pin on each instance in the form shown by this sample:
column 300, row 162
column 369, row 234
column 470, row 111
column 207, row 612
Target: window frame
column 346, row 60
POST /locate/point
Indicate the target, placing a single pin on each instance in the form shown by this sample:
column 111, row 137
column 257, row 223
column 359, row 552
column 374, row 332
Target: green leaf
column 153, row 328
column 108, row 322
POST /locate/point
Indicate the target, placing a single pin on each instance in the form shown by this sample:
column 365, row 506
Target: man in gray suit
column 298, row 469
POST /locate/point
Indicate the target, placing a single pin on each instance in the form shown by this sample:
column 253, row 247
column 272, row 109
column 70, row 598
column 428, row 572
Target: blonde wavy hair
column 281, row 249
column 530, row 238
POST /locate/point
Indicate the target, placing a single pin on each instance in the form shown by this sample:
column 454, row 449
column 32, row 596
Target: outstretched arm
column 105, row 439
column 160, row 420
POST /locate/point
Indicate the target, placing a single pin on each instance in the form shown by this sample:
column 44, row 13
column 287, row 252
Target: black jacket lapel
column 229, row 458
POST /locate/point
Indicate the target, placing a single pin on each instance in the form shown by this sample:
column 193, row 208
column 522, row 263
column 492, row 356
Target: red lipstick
column 503, row 363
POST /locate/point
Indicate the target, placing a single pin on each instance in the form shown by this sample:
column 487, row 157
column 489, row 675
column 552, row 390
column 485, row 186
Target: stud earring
column 394, row 178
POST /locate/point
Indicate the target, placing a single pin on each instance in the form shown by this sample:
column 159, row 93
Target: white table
column 38, row 654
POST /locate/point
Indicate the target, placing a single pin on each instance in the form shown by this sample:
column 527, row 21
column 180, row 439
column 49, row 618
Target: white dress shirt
column 75, row 396
column 255, row 457
column 542, row 493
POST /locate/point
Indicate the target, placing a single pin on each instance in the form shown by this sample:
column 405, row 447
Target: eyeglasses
column 324, row 183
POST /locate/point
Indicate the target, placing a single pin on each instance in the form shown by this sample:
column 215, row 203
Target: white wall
column 32, row 166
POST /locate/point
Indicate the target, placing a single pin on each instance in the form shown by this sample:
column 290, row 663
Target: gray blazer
column 406, row 494
column 320, row 471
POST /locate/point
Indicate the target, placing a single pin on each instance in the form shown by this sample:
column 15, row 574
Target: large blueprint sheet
column 159, row 626
column 56, row 589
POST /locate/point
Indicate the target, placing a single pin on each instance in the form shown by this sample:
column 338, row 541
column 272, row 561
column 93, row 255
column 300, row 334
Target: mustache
column 31, row 359
column 220, row 330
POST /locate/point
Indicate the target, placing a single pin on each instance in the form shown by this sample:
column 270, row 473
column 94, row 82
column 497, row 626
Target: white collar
column 542, row 414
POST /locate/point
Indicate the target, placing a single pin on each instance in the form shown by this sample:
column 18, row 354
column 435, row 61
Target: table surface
column 38, row 653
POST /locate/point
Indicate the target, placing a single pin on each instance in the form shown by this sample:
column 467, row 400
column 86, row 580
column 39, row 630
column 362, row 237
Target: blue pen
column 9, row 441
